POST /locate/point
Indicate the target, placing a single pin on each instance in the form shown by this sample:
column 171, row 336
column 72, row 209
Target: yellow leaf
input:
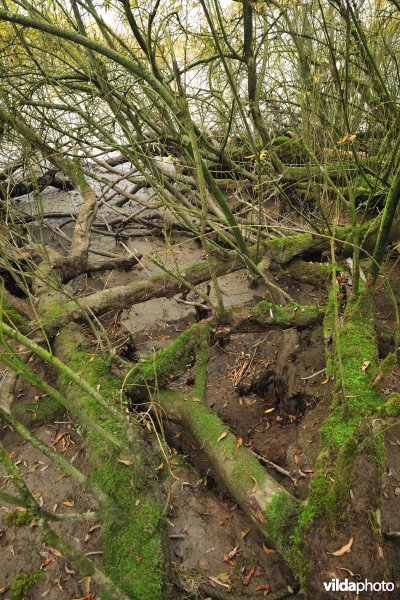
column 69, row 503
column 269, row 410
column 222, row 436
column 255, row 486
column 343, row 550
column 325, row 381
column 167, row 158
column 343, row 139
column 251, row 156
column 349, row 137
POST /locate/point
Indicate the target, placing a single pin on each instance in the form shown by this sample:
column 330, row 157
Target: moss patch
column 348, row 422
column 291, row 314
column 12, row 316
column 23, row 583
column 290, row 150
column 131, row 523
column 286, row 524
column 166, row 364
column 392, row 406
column 18, row 518
column 45, row 410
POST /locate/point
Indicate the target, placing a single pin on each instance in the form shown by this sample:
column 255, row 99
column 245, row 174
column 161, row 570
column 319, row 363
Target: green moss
column 286, row 523
column 45, row 410
column 310, row 272
column 23, row 583
column 167, row 364
column 18, row 518
column 290, row 314
column 347, row 422
column 131, row 523
column 12, row 316
column 388, row 364
column 392, row 406
column 290, row 150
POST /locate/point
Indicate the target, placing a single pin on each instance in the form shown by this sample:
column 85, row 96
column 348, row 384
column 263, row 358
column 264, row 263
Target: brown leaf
column 343, row 550
column 262, row 587
column 245, row 532
column 365, row 365
column 222, row 436
column 55, row 552
column 57, row 439
column 48, row 558
column 69, row 503
column 229, row 555
column 87, row 597
column 380, row 553
column 259, row 515
column 125, row 461
column 255, row 486
column 268, row 550
column 247, row 579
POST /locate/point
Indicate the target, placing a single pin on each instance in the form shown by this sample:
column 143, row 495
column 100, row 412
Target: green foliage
column 23, row 583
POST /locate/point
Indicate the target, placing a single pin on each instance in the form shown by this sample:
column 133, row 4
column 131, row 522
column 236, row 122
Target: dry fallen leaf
column 225, row 585
column 380, row 553
column 268, row 550
column 125, row 461
column 222, row 436
column 229, row 555
column 224, row 577
column 48, row 558
column 55, row 552
column 247, row 579
column 262, row 587
column 259, row 515
column 245, row 532
column 343, row 550
column 57, row 439
column 365, row 365
column 69, row 503
column 255, row 486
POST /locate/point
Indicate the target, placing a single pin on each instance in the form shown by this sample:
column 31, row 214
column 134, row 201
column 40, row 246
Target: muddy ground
column 270, row 388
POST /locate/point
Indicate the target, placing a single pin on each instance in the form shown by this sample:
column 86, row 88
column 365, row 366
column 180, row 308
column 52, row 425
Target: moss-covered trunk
column 132, row 526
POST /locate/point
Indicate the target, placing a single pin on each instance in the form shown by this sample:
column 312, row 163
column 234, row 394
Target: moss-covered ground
column 22, row 585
